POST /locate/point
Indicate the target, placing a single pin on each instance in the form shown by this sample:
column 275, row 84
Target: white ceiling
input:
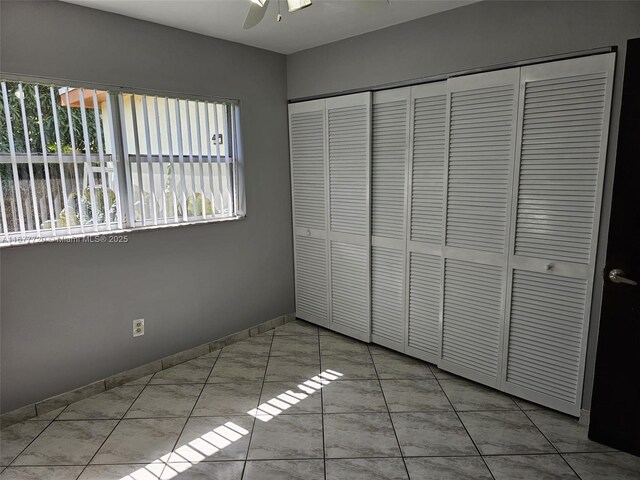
column 323, row 22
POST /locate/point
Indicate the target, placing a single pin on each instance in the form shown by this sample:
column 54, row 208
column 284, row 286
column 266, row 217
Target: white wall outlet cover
column 138, row 327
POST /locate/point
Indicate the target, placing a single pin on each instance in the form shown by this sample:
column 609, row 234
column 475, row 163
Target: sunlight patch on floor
column 208, row 444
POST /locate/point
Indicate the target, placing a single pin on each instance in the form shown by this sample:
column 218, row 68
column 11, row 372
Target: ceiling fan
column 258, row 9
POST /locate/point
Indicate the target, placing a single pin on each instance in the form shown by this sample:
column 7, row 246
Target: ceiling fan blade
column 255, row 14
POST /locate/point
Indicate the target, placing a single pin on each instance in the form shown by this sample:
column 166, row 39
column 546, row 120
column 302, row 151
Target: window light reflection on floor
column 197, row 450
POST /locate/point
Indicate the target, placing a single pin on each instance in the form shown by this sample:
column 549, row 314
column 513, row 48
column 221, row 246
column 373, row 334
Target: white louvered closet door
column 389, row 158
column 348, row 173
column 482, row 113
column 564, row 117
column 425, row 220
column 307, row 137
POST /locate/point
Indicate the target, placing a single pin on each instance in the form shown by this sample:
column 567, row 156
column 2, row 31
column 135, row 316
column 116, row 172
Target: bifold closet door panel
column 564, row 118
column 389, row 159
column 482, row 112
column 425, row 220
column 348, row 173
column 307, row 137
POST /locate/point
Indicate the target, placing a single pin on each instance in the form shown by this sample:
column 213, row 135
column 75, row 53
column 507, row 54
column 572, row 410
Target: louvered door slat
column 388, row 157
column 424, row 303
column 350, row 286
column 428, row 161
column 547, row 155
column 311, row 278
column 387, row 294
column 307, row 164
column 479, row 166
column 348, row 164
column 551, row 351
column 471, row 316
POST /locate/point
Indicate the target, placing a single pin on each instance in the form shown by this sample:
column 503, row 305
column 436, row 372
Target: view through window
column 75, row 161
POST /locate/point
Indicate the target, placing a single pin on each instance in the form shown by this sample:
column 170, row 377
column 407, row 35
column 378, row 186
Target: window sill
column 110, row 236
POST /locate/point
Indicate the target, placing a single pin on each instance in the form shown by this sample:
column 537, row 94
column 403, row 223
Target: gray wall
column 481, row 35
column 67, row 309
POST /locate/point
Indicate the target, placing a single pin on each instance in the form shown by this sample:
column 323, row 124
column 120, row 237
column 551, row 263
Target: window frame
column 75, row 234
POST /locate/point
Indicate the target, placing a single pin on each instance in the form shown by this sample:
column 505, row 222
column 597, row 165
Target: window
column 76, row 161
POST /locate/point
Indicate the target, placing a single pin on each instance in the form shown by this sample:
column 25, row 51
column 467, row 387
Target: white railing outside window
column 79, row 161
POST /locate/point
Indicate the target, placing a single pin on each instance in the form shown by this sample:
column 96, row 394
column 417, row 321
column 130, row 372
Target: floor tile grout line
column 604, row 450
column 395, row 433
column 123, row 417
column 492, row 455
column 412, row 378
column 29, row 444
column 190, row 413
column 118, row 421
column 50, row 422
column 112, row 430
column 462, row 423
column 324, row 443
column 370, row 354
column 548, row 440
column 34, row 439
column 255, row 417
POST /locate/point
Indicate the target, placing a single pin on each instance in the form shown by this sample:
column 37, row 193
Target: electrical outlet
column 138, row 327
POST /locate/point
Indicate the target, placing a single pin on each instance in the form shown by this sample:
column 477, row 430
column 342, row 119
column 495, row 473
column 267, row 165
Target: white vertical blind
column 103, row 172
column 27, row 146
column 17, row 188
column 78, row 196
column 43, row 126
column 58, row 146
column 62, row 153
column 191, row 190
column 113, row 169
column 151, row 174
column 89, row 162
column 45, row 160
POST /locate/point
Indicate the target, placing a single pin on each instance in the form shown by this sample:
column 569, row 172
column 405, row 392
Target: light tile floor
column 305, row 403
